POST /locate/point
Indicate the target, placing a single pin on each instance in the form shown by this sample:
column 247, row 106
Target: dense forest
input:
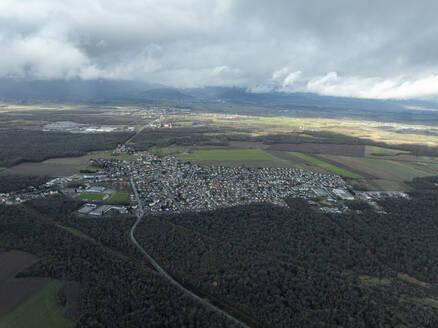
column 116, row 291
column 11, row 182
column 18, row 146
column 295, row 267
column 180, row 137
column 298, row 267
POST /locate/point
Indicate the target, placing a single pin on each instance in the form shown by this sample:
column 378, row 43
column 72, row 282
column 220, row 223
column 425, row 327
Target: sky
column 368, row 49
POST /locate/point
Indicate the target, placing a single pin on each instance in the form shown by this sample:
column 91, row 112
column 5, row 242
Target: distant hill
column 138, row 93
column 291, row 100
column 166, row 94
column 72, row 90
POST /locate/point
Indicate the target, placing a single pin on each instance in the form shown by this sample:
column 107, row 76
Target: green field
column 228, row 155
column 40, row 311
column 375, row 150
column 327, row 166
column 378, row 150
column 91, row 196
column 119, row 197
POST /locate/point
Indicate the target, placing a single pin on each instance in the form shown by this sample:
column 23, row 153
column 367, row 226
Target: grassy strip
column 91, row 196
column 379, row 150
column 228, row 155
column 41, row 310
column 327, row 166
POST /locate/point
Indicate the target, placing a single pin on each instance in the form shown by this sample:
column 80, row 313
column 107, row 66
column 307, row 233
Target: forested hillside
column 17, row 182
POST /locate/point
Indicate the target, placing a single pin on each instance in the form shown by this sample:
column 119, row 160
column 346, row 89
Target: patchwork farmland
column 27, row 302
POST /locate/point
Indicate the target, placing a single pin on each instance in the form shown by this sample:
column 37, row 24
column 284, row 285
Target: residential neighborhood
column 168, row 184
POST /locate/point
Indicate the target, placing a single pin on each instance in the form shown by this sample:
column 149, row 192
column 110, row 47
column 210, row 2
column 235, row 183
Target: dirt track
column 15, row 291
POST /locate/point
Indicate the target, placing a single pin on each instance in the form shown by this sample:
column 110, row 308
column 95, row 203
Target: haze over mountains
column 134, row 92
column 372, row 49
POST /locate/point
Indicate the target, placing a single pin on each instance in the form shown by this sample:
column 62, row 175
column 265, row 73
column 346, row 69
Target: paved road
column 139, row 213
column 136, row 134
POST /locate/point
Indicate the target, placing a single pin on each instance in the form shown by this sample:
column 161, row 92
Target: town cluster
column 169, row 185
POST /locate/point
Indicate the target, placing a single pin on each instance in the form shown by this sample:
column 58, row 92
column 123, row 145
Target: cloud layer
column 376, row 49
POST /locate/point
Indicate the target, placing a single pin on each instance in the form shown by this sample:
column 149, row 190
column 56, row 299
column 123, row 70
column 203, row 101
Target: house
column 96, row 189
column 87, row 208
column 104, row 209
column 343, row 194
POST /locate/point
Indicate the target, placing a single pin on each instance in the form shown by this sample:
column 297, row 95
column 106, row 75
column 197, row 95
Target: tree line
column 17, row 146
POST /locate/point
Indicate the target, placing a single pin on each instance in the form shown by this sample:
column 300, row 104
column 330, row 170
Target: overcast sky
column 375, row 49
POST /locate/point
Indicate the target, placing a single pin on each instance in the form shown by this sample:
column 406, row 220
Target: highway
column 139, row 215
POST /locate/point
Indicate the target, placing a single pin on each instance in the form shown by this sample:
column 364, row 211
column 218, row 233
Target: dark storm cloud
column 382, row 49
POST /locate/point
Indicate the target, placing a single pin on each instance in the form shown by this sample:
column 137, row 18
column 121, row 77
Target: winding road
column 139, row 214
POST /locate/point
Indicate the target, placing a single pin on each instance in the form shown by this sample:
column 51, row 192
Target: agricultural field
column 42, row 169
column 327, row 166
column 272, row 121
column 228, row 155
column 64, row 166
column 388, row 133
column 40, row 310
column 91, row 196
column 380, row 168
column 380, row 151
column 319, row 148
column 15, row 291
column 83, row 161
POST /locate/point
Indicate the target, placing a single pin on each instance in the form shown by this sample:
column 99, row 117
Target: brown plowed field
column 315, row 148
column 15, row 291
column 43, row 169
